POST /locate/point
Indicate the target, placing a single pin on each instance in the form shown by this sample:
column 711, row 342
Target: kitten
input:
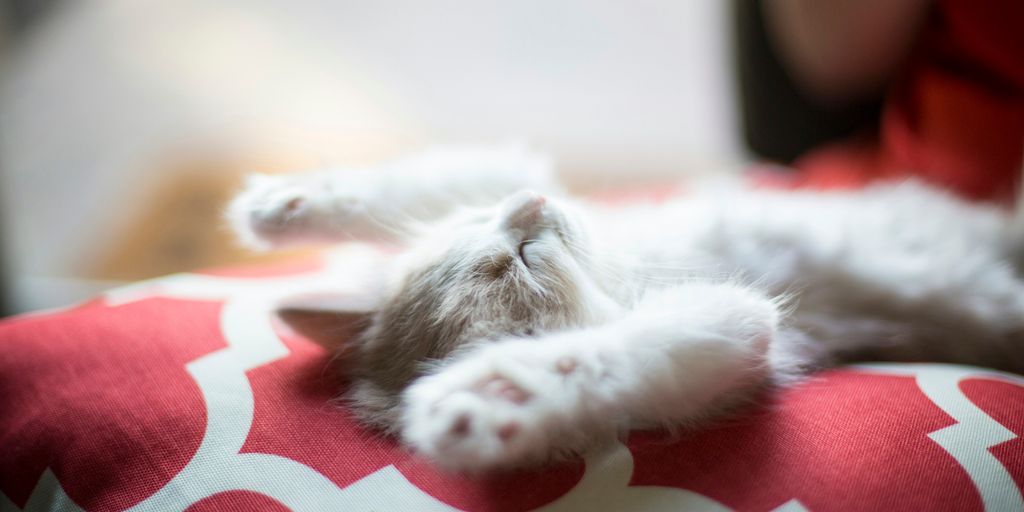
column 519, row 325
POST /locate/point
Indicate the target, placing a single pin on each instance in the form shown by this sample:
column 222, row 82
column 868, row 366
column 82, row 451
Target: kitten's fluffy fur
column 519, row 324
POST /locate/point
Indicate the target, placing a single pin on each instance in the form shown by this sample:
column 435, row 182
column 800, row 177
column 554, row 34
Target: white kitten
column 519, row 325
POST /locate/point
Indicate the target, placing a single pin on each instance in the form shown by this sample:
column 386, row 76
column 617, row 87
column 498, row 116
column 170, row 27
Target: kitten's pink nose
column 524, row 210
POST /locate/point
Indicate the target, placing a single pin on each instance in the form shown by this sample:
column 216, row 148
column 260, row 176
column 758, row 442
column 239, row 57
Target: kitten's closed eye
column 523, row 252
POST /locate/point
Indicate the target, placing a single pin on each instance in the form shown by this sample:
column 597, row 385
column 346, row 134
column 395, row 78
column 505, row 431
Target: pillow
column 187, row 392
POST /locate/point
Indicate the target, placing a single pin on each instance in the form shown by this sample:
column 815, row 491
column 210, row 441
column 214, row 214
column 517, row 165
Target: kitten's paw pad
column 566, row 365
column 468, row 421
column 466, row 431
column 499, row 386
column 278, row 210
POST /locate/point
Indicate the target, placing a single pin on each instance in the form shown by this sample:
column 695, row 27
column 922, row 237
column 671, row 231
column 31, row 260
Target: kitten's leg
column 681, row 355
column 336, row 205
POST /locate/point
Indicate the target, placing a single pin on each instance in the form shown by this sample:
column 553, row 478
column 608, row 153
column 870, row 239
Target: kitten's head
column 516, row 269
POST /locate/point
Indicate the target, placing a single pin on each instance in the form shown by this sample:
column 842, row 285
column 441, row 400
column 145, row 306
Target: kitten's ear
column 328, row 320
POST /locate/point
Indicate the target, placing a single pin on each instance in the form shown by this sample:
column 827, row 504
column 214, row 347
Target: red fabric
column 110, row 397
column 1007, row 407
column 237, row 500
column 956, row 115
column 819, row 435
column 82, row 393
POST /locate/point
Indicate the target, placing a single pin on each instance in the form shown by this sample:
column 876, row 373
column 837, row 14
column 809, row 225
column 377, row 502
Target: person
column 877, row 89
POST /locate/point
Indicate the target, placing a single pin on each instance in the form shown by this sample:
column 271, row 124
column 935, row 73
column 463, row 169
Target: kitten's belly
column 882, row 274
column 908, row 239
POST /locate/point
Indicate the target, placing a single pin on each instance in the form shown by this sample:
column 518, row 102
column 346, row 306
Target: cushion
column 188, row 392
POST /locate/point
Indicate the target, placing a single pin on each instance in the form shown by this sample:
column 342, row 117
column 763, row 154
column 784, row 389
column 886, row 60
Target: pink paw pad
column 461, row 426
column 566, row 365
column 508, row 431
column 503, row 388
column 294, row 204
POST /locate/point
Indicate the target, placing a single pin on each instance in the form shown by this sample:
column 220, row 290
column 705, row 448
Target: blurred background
column 126, row 124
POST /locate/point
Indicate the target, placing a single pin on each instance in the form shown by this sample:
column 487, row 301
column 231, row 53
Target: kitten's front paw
column 285, row 210
column 492, row 411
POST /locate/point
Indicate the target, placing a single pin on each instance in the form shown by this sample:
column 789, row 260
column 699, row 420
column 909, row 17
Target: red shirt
column 954, row 118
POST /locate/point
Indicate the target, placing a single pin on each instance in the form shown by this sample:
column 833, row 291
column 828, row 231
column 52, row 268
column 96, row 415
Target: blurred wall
column 106, row 105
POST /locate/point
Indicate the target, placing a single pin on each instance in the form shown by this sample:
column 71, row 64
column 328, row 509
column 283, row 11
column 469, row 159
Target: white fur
column 676, row 357
column 380, row 203
column 664, row 314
